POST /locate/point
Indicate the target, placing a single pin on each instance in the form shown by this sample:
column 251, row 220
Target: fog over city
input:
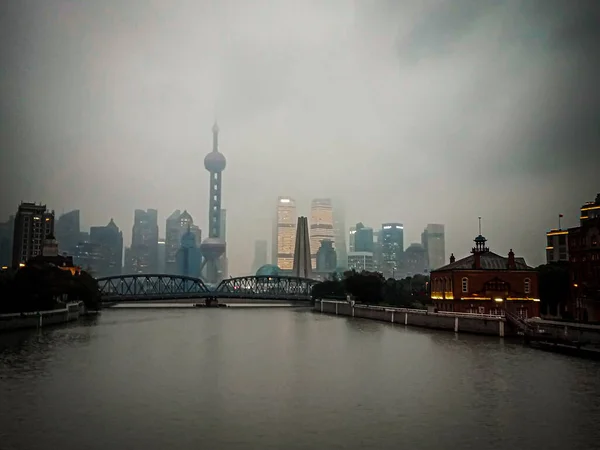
column 412, row 111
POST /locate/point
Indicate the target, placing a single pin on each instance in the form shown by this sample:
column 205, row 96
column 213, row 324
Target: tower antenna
column 479, row 225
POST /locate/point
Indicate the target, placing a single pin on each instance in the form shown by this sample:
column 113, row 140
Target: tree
column 365, row 287
column 554, row 287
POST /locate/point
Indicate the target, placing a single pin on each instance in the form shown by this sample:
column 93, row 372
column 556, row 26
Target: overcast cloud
column 419, row 111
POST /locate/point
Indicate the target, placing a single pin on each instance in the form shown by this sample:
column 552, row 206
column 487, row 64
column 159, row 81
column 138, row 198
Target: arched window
column 465, row 284
column 527, row 285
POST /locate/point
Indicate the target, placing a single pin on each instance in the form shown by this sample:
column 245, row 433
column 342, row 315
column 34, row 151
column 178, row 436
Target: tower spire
column 215, row 131
column 479, row 225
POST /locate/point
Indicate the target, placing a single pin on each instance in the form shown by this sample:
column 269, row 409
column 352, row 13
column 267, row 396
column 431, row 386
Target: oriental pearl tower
column 213, row 247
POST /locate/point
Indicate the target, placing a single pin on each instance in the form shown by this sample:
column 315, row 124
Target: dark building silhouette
column 6, row 238
column 68, row 232
column 326, row 257
column 144, row 242
column 392, row 249
column 302, row 256
column 32, row 224
column 584, row 263
column 415, row 260
column 363, row 239
column 107, row 243
column 189, row 258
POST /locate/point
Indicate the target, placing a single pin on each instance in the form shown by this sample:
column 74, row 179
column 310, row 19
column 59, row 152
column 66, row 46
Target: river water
column 223, row 379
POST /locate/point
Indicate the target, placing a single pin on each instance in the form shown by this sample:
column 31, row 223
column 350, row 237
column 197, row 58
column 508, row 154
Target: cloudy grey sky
column 408, row 110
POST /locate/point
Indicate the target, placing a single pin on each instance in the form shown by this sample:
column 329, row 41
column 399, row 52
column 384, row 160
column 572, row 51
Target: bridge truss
column 150, row 287
column 266, row 287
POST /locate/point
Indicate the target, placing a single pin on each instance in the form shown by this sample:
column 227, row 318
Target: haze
column 413, row 111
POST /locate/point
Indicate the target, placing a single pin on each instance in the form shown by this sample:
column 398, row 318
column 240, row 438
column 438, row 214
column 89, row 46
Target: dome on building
column 215, row 162
column 268, row 270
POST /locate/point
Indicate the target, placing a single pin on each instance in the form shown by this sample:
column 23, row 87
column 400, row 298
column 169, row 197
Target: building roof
column 489, row 261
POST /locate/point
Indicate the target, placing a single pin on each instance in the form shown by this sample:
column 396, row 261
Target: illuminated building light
column 523, row 299
column 476, row 298
column 21, row 264
column 498, row 300
column 4, row 267
column 556, row 233
column 549, row 248
column 589, row 208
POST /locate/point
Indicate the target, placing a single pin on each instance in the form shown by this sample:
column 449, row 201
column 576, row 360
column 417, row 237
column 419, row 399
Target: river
column 224, row 379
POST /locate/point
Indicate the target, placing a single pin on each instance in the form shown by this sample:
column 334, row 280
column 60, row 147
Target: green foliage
column 42, row 287
column 372, row 288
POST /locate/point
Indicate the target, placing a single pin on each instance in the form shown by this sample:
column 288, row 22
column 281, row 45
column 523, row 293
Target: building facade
column 67, row 230
column 302, row 266
column 6, row 242
column 321, row 225
column 363, row 239
column 32, row 224
column 144, row 242
column 189, row 258
column 107, row 245
column 360, row 261
column 486, row 283
column 285, row 233
column 392, row 249
column 557, row 246
column 326, row 257
column 339, row 234
column 433, row 240
column 177, row 224
column 415, row 260
column 584, row 263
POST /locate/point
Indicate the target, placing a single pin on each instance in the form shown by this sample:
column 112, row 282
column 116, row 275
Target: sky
column 415, row 111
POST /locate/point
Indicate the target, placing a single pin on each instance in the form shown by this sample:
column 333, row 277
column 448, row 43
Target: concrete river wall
column 457, row 322
column 39, row 319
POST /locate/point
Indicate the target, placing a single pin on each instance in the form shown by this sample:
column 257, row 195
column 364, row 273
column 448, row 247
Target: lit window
column 527, row 285
column 465, row 284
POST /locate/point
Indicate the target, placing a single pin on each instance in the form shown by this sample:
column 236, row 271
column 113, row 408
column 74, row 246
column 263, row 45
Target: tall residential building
column 302, row 266
column 434, row 242
column 360, row 261
column 339, row 233
column 363, row 239
column 321, row 225
column 260, row 254
column 392, row 249
column 32, row 224
column 326, row 257
column 285, row 233
column 144, row 242
column 67, row 231
column 107, row 245
column 6, row 238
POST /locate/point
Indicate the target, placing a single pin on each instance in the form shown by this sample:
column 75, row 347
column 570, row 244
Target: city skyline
column 368, row 103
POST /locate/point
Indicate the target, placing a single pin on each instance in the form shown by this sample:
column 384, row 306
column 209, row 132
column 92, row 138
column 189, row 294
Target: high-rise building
column 32, row 224
column 214, row 246
column 392, row 249
column 161, row 255
column 326, row 257
column 144, row 242
column 302, row 266
column 177, row 224
column 352, row 239
column 67, row 231
column 363, row 239
column 339, row 234
column 360, row 261
column 377, row 251
column 433, row 240
column 6, row 237
column 260, row 254
column 415, row 260
column 189, row 259
column 321, row 225
column 107, row 245
column 285, row 232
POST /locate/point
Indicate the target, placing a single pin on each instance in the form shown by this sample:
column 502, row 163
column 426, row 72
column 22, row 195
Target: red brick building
column 584, row 262
column 486, row 283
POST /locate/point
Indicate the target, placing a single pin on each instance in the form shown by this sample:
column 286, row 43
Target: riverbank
column 39, row 319
column 485, row 324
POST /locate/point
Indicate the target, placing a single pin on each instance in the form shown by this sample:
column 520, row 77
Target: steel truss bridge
column 155, row 287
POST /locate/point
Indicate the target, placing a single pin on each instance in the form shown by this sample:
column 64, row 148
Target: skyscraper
column 285, row 233
column 108, row 244
column 188, row 256
column 67, row 231
column 363, row 239
column 321, row 225
column 144, row 241
column 302, row 266
column 32, row 224
column 260, row 254
column 177, row 225
column 392, row 249
column 326, row 257
column 6, row 237
column 415, row 260
column 223, row 262
column 435, row 245
column 214, row 246
column 339, row 233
